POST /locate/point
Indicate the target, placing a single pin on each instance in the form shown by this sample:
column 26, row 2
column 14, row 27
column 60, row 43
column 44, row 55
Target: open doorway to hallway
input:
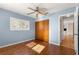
column 66, row 31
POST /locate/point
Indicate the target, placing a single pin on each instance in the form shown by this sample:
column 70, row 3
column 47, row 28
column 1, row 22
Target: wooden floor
column 22, row 49
column 68, row 41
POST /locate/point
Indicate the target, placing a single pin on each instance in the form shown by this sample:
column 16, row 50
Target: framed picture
column 19, row 24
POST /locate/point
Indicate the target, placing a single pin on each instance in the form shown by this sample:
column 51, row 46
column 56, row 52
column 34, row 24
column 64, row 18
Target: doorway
column 67, row 31
column 42, row 30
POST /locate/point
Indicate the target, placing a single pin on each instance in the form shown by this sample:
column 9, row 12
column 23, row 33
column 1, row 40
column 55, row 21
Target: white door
column 68, row 28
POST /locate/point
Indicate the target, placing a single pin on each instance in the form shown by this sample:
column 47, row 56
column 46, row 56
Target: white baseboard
column 59, row 45
column 76, row 52
column 15, row 43
column 54, row 43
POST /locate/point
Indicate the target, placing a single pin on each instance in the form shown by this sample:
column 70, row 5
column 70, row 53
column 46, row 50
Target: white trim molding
column 75, row 18
column 54, row 43
column 59, row 24
column 15, row 43
column 76, row 29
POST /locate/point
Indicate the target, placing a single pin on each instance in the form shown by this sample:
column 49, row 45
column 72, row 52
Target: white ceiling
column 22, row 8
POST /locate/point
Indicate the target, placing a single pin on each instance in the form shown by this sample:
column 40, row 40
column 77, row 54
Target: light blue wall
column 43, row 17
column 53, row 23
column 9, row 37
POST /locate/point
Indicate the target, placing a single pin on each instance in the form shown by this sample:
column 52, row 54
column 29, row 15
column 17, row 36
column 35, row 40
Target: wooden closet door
column 41, row 30
column 46, row 30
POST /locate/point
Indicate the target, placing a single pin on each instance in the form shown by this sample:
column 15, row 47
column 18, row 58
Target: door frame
column 47, row 19
column 75, row 28
column 59, row 40
column 63, row 23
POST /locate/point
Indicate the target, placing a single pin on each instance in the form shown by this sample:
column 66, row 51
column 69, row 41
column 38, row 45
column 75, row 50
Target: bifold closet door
column 42, row 30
